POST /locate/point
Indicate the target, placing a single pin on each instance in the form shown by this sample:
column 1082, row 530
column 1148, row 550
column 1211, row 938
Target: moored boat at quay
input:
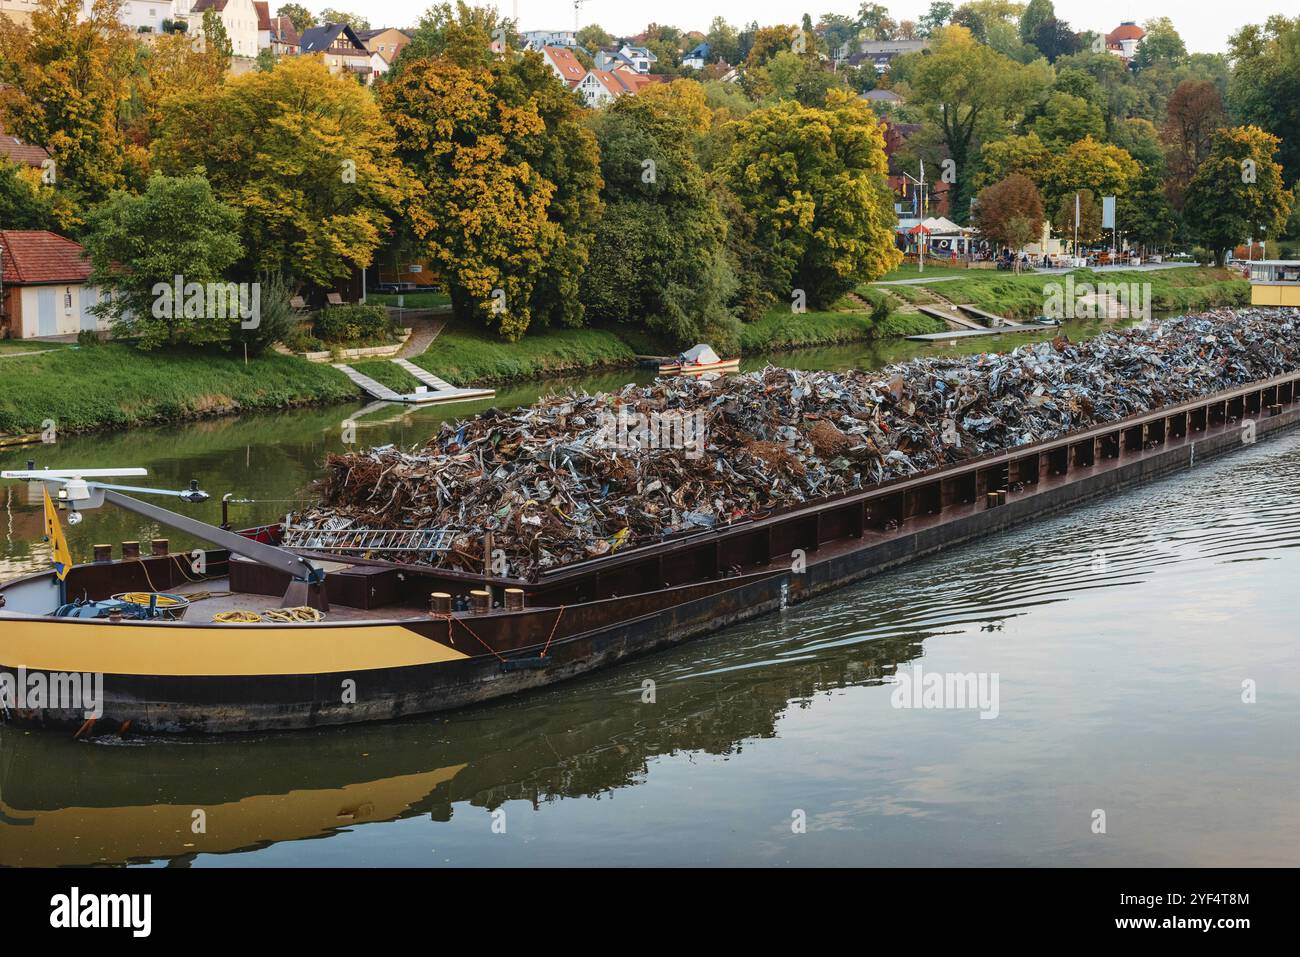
column 383, row 650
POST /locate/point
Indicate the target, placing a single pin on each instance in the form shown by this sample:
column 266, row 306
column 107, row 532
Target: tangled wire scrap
column 554, row 484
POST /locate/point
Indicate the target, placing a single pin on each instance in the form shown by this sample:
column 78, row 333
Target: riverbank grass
column 116, row 386
column 1024, row 296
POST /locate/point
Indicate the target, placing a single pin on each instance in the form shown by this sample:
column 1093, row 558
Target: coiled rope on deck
column 237, row 618
column 302, row 615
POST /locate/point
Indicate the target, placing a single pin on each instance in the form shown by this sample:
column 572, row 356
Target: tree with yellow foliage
column 815, row 182
column 1103, row 168
column 482, row 216
column 63, row 85
column 174, row 63
column 305, row 156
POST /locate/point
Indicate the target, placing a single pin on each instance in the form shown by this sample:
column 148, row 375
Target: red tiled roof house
column 19, row 152
column 43, row 290
column 566, row 65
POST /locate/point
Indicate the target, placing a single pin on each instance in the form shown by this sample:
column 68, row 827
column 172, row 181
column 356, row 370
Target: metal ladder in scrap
column 367, row 541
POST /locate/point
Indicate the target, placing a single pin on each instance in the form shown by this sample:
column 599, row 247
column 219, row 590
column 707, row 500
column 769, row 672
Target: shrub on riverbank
column 116, row 386
column 354, row 325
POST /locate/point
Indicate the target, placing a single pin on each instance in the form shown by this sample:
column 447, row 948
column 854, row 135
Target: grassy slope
column 909, row 271
column 411, row 300
column 1023, row 295
column 470, row 357
column 118, row 386
column 782, row 329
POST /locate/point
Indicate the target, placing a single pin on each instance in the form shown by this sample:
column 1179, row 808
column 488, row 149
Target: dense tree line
column 690, row 208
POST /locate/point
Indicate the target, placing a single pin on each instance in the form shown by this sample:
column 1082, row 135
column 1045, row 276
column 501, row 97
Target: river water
column 1147, row 682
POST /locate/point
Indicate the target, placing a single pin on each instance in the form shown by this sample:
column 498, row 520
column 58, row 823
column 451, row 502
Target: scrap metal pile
column 561, row 481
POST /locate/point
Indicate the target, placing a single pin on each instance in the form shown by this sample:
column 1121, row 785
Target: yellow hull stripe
column 130, row 649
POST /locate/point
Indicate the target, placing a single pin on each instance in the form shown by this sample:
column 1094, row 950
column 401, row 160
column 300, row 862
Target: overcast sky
column 1205, row 26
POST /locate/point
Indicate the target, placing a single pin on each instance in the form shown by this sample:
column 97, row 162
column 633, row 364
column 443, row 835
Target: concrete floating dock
column 982, row 331
column 998, row 324
column 947, row 315
column 438, row 391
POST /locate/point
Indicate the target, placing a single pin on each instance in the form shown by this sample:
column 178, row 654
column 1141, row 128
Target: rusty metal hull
column 585, row 618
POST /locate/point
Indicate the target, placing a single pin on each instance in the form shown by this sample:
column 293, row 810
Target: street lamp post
column 920, row 183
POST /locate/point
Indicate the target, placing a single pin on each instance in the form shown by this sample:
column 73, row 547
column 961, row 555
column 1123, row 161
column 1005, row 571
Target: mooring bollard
column 103, row 553
column 514, row 599
column 130, row 550
column 480, row 600
column 439, row 603
column 159, row 546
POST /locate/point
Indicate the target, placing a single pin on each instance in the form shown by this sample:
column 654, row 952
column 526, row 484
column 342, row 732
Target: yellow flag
column 62, row 558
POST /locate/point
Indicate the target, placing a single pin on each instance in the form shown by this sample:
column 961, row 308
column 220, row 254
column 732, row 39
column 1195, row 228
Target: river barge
column 383, row 651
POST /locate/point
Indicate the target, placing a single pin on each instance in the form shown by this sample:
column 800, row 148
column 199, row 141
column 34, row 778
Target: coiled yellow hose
column 237, row 617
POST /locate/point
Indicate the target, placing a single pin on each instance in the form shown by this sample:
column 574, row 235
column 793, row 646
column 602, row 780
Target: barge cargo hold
column 381, row 653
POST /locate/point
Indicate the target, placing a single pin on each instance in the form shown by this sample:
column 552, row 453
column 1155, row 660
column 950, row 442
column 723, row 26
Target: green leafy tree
column 1088, row 217
column 662, row 259
column 1162, row 44
column 876, row 23
column 795, row 77
column 568, row 157
column 1054, row 39
column 215, row 38
column 355, row 21
column 1265, row 87
column 1141, row 140
column 814, row 182
column 1143, row 212
column 965, row 88
column 301, row 18
column 1101, row 168
column 939, row 15
column 1077, row 82
column 594, row 37
column 306, row 156
column 24, row 203
column 1066, row 119
column 462, row 33
column 724, row 41
column 838, row 33
column 1238, row 192
column 1026, row 155
column 138, row 245
column 1036, row 14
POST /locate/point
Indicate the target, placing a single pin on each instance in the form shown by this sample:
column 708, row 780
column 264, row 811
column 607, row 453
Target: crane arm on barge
column 71, row 488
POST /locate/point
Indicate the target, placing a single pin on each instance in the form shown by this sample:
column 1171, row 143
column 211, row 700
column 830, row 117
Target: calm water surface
column 1121, row 635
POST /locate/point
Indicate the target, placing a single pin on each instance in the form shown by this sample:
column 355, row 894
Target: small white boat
column 698, row 360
